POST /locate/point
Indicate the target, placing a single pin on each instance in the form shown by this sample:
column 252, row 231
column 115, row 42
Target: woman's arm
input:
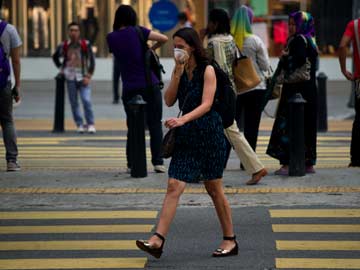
column 171, row 92
column 206, row 102
column 262, row 56
column 159, row 38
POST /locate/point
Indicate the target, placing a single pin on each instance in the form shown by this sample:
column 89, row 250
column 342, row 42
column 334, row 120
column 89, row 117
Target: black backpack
column 151, row 60
column 225, row 98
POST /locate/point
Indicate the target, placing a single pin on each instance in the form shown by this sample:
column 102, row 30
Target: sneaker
column 284, row 170
column 160, row 168
column 13, row 166
column 80, row 129
column 91, row 129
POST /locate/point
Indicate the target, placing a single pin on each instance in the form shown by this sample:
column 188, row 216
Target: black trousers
column 153, row 116
column 248, row 110
column 355, row 136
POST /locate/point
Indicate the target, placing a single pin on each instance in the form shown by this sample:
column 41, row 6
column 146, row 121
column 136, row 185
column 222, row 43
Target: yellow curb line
column 187, row 190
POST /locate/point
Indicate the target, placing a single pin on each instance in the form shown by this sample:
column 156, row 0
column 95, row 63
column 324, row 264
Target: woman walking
column 125, row 44
column 301, row 46
column 249, row 103
column 222, row 48
column 200, row 147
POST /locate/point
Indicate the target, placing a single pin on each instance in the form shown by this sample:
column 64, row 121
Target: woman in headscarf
column 248, row 106
column 300, row 46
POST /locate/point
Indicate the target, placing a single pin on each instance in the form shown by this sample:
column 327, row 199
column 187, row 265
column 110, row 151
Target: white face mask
column 180, row 54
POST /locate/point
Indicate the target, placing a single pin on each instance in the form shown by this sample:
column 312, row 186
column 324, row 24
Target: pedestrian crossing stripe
column 77, row 263
column 315, row 213
column 315, row 263
column 317, row 245
column 132, row 228
column 188, row 190
column 78, row 215
column 68, row 245
column 316, row 228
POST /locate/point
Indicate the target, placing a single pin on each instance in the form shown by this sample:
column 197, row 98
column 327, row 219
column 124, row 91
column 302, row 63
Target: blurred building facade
column 42, row 24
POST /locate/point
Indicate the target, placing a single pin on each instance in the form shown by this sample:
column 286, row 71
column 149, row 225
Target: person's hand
column 86, row 80
column 15, row 92
column 174, row 122
column 348, row 75
column 180, row 66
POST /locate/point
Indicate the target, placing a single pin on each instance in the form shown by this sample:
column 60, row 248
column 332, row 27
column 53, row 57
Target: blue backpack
column 4, row 60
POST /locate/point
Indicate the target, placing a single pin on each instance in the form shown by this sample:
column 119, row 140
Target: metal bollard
column 59, row 103
column 137, row 147
column 296, row 133
column 322, row 124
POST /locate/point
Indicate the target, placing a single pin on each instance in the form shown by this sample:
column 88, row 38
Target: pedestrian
column 200, row 147
column 183, row 20
column 125, row 44
column 351, row 35
column 249, row 103
column 301, row 46
column 222, row 48
column 78, row 66
column 10, row 46
column 116, row 82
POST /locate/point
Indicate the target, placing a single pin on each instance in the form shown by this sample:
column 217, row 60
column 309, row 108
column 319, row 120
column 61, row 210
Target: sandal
column 224, row 252
column 145, row 246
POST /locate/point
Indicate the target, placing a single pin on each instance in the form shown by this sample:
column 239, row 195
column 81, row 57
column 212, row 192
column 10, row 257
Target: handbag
column 245, row 75
column 168, row 142
column 300, row 74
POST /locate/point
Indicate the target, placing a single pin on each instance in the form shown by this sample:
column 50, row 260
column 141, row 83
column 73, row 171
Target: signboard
column 163, row 15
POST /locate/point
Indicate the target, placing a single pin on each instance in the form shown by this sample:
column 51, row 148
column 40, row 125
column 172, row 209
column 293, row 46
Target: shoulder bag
column 245, row 75
column 168, row 143
column 300, row 74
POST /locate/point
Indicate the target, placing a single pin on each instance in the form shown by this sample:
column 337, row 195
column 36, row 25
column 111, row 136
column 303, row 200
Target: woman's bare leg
column 216, row 191
column 174, row 190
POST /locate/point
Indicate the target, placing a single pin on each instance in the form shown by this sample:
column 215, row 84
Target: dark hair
column 192, row 38
column 182, row 16
column 73, row 24
column 125, row 15
column 221, row 18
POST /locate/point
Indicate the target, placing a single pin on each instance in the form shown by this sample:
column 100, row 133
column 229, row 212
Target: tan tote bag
column 245, row 75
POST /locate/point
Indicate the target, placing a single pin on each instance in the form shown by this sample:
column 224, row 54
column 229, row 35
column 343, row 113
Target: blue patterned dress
column 200, row 147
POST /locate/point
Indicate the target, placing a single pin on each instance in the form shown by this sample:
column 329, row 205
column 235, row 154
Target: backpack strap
column 145, row 47
column 356, row 28
column 3, row 25
column 84, row 46
column 65, row 47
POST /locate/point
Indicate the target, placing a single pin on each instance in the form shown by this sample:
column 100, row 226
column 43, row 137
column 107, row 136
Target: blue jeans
column 7, row 123
column 85, row 95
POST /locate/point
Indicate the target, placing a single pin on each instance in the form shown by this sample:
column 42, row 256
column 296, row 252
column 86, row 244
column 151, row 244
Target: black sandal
column 224, row 252
column 145, row 246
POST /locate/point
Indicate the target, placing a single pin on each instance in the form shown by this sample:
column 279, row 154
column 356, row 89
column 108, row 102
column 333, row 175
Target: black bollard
column 59, row 103
column 322, row 124
column 296, row 134
column 137, row 146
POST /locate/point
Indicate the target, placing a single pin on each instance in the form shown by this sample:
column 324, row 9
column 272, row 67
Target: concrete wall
column 44, row 69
